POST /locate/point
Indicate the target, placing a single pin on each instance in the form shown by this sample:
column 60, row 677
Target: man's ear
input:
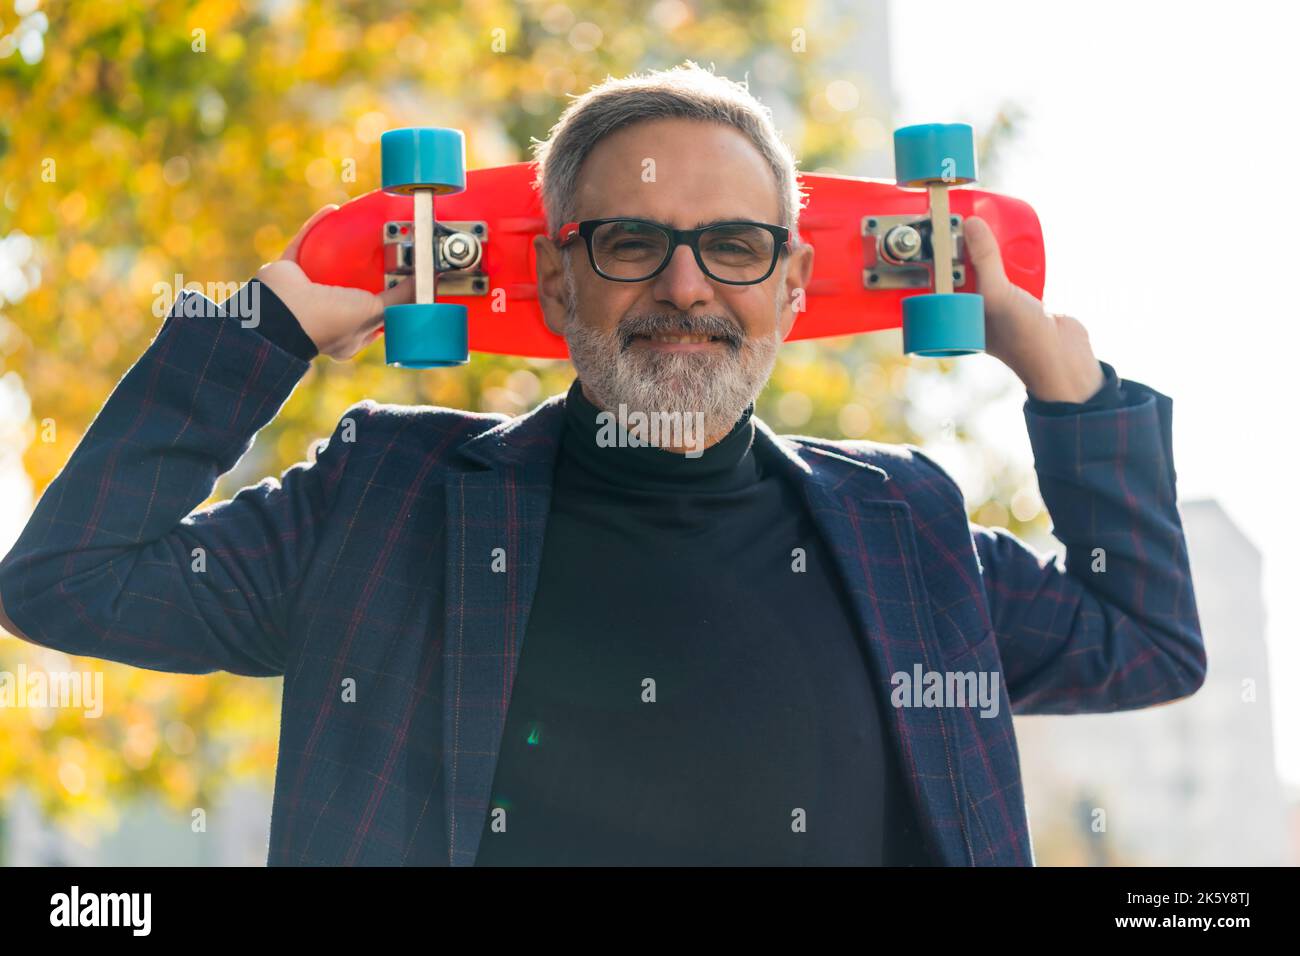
column 798, row 275
column 551, row 293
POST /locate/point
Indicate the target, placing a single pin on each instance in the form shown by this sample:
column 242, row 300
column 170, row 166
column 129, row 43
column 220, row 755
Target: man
column 536, row 640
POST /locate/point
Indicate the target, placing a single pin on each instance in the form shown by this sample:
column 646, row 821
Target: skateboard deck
column 365, row 244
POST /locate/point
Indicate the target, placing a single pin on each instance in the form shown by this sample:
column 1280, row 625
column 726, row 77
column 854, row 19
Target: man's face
column 621, row 334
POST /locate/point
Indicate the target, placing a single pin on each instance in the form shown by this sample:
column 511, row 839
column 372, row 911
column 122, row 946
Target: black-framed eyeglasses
column 622, row 249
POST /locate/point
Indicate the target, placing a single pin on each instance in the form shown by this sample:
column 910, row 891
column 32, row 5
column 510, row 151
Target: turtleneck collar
column 725, row 465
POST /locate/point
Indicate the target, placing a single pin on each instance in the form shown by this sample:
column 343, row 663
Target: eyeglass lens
column 633, row 250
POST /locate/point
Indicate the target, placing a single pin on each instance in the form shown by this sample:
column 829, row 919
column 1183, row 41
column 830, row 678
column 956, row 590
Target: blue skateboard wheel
column 934, row 153
column 433, row 335
column 423, row 158
column 937, row 325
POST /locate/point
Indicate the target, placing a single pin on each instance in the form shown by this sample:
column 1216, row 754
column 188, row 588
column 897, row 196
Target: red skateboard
column 873, row 241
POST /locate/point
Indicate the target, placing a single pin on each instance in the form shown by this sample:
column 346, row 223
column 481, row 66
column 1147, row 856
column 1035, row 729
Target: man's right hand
column 340, row 321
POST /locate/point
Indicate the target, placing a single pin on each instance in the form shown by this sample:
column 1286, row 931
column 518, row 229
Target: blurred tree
column 147, row 145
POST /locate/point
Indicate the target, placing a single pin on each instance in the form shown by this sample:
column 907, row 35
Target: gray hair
column 686, row 91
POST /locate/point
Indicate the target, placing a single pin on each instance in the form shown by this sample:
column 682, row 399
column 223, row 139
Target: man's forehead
column 684, row 209
column 739, row 216
column 647, row 172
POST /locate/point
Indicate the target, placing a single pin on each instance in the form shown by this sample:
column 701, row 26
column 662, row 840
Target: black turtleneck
column 658, row 567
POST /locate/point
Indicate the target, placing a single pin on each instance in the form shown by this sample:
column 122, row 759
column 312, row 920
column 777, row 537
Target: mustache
column 716, row 326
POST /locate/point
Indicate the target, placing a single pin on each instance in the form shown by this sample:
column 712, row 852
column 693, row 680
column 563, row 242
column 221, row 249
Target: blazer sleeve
column 1114, row 626
column 1109, row 395
column 112, row 563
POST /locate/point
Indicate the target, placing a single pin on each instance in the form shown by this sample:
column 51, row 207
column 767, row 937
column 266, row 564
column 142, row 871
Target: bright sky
column 1160, row 126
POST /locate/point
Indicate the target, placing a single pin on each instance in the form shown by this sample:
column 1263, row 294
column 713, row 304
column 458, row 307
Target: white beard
column 717, row 384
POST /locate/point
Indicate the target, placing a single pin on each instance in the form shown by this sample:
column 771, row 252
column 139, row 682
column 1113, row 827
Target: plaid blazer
column 364, row 577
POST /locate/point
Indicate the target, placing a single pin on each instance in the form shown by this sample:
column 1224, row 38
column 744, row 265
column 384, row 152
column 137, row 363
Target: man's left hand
column 1049, row 352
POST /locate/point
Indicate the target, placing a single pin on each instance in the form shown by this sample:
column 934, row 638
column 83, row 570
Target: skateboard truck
column 457, row 251
column 422, row 163
column 904, row 252
column 941, row 323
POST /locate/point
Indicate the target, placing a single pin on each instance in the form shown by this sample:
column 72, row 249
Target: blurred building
column 1293, row 818
column 849, row 40
column 1189, row 783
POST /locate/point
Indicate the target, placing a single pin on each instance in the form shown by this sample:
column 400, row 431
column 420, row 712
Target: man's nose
column 682, row 283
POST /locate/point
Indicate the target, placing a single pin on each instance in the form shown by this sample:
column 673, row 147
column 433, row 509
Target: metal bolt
column 902, row 242
column 459, row 250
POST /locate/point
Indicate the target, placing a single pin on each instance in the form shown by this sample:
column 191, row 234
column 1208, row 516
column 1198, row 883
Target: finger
column 291, row 250
column 985, row 255
column 360, row 345
column 400, row 294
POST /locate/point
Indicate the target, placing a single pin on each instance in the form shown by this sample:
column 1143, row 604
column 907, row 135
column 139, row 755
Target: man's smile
column 680, row 343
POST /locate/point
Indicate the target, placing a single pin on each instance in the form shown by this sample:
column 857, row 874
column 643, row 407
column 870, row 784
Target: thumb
column 985, row 255
column 291, row 250
column 400, row 294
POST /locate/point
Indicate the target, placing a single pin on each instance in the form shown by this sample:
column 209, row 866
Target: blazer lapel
column 869, row 530
column 495, row 526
